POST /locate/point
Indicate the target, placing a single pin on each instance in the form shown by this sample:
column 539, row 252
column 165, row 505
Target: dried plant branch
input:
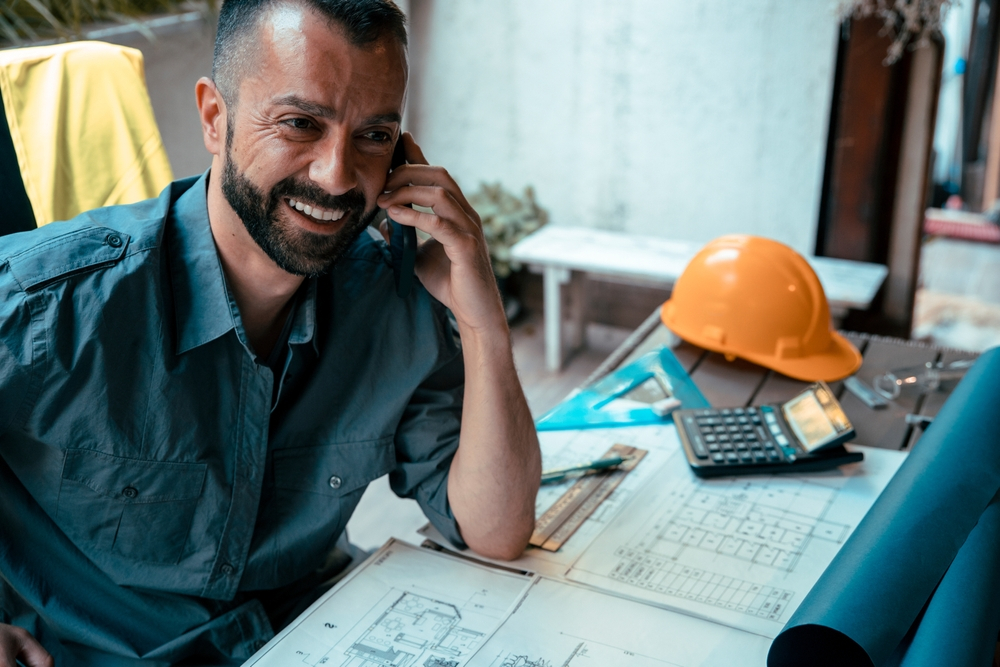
column 908, row 22
column 23, row 20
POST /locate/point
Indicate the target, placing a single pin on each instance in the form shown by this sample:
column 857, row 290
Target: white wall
column 677, row 118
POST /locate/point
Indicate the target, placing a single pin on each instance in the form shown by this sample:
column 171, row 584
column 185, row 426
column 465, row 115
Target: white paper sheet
column 404, row 606
column 566, row 448
column 564, row 625
column 742, row 551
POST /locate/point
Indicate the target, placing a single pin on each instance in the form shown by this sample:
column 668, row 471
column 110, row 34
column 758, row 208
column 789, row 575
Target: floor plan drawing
column 560, row 624
column 404, row 607
column 413, row 628
column 742, row 550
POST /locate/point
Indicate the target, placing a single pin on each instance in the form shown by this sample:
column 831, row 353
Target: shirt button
column 335, row 482
column 114, row 241
column 227, row 569
column 130, row 492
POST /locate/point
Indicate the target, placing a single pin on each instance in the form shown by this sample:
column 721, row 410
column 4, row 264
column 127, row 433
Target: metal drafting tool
column 568, row 513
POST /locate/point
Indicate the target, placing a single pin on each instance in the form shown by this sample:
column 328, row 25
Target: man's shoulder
column 90, row 241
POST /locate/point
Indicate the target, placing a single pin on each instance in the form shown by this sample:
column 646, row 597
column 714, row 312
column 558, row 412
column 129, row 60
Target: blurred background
column 861, row 130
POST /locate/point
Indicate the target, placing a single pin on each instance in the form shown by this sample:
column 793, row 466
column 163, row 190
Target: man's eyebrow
column 311, row 108
column 383, row 119
column 324, row 111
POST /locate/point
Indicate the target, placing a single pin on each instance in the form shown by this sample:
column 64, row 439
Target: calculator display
column 815, row 417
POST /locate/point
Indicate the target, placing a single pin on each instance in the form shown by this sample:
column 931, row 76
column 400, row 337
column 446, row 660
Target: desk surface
column 741, row 383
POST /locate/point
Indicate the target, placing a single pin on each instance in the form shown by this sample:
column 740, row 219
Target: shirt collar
column 204, row 310
column 201, row 305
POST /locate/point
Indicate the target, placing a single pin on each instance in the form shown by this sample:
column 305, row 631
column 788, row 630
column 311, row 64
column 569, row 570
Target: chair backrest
column 81, row 128
column 15, row 214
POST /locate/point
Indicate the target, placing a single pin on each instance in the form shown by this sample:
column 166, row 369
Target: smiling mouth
column 315, row 213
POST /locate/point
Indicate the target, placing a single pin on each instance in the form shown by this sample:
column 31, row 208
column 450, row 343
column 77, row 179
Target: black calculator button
column 742, row 446
column 710, row 437
column 729, row 420
column 747, row 428
column 745, row 456
column 758, row 457
column 752, row 437
column 727, row 446
column 773, row 455
column 723, row 437
column 734, row 429
column 743, row 420
column 755, row 419
column 718, row 458
column 713, row 448
column 699, row 447
column 762, row 434
column 725, row 412
column 731, row 458
column 738, row 411
column 720, row 429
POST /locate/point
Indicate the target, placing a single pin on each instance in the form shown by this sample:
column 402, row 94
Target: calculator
column 804, row 434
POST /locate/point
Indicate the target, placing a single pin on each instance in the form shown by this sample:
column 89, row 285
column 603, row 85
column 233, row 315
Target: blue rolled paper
column 866, row 608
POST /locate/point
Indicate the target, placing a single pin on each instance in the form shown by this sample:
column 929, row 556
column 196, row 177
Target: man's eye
column 299, row 123
column 378, row 136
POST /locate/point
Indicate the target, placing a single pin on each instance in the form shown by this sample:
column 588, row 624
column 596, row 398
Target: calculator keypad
column 736, row 436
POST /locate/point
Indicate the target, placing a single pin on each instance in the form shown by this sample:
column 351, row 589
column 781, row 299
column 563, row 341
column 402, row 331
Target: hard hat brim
column 838, row 361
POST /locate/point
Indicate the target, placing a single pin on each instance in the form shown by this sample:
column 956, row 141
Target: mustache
column 351, row 201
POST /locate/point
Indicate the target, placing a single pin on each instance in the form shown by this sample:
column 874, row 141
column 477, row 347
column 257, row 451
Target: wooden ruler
column 568, row 513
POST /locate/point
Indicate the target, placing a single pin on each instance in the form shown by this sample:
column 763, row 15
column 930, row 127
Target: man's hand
column 454, row 265
column 18, row 644
column 495, row 474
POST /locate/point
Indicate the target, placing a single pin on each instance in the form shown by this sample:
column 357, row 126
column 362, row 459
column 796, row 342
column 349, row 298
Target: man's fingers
column 18, row 644
column 433, row 197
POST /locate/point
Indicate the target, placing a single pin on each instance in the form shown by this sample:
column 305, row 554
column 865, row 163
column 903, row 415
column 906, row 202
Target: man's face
column 310, row 139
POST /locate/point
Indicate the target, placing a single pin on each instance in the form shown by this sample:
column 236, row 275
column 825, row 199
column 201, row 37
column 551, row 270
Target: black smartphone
column 403, row 240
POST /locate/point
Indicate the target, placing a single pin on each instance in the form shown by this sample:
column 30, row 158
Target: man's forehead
column 303, row 48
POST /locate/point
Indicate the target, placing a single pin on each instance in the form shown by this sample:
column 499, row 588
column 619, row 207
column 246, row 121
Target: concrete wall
column 675, row 118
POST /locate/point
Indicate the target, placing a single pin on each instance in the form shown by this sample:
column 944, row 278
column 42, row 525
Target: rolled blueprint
column 878, row 602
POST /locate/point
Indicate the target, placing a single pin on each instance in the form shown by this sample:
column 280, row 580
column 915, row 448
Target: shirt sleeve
column 427, row 436
column 16, row 352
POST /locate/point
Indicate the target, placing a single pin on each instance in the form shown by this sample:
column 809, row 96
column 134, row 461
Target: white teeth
column 316, row 213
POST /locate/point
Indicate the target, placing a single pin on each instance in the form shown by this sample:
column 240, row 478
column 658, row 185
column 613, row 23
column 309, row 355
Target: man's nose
column 333, row 169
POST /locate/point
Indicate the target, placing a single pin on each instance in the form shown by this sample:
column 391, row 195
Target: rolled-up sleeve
column 427, row 436
column 16, row 353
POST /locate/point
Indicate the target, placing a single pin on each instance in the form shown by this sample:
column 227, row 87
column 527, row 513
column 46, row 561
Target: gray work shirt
column 157, row 479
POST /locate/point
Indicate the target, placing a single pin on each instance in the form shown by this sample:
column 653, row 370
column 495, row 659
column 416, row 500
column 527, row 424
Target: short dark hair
column 363, row 21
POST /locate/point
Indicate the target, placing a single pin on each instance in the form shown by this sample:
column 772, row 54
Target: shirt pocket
column 134, row 508
column 318, row 487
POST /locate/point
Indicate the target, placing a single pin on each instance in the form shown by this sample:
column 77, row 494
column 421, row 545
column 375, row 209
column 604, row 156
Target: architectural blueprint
column 742, row 551
column 566, row 448
column 564, row 625
column 404, row 607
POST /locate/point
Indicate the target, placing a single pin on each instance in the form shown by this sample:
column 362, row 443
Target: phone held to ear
column 403, row 241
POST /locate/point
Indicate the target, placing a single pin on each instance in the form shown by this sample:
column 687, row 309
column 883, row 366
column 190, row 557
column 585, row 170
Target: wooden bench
column 569, row 255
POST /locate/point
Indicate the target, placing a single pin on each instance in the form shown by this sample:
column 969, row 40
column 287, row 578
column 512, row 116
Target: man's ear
column 212, row 112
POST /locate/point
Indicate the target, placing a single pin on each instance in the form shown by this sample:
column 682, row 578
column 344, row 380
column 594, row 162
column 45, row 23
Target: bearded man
column 195, row 390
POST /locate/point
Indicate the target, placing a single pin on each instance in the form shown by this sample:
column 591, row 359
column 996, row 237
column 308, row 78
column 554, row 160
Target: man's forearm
column 496, row 471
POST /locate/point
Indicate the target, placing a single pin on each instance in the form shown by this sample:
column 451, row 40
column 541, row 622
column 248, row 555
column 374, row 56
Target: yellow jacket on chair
column 82, row 127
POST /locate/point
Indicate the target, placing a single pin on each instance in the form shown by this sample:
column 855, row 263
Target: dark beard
column 294, row 250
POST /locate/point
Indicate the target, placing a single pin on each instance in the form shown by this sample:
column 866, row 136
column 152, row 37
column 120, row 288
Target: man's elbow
column 503, row 545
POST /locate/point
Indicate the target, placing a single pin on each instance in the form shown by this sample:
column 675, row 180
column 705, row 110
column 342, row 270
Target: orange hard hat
column 751, row 297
